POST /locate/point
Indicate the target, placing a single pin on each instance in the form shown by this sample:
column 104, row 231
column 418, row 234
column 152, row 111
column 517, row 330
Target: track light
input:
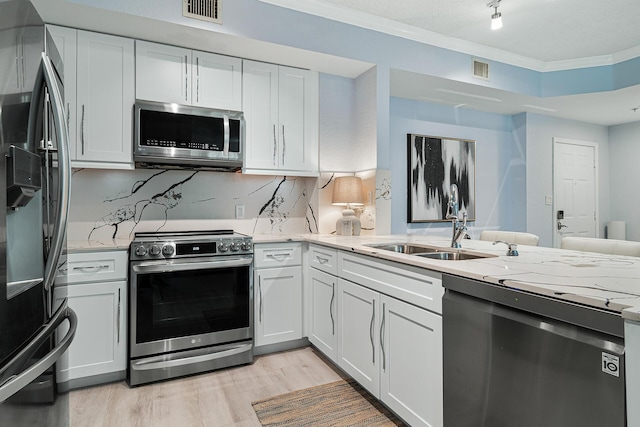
column 496, row 17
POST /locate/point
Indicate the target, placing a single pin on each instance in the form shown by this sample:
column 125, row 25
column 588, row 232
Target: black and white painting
column 434, row 164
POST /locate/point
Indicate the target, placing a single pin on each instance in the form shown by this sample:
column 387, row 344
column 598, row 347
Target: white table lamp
column 347, row 191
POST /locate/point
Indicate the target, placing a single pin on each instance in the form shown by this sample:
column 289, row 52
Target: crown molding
column 387, row 26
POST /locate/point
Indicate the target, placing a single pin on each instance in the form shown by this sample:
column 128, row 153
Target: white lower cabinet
column 411, row 350
column 278, row 304
column 359, row 334
column 99, row 346
column 277, row 294
column 323, row 322
column 96, row 288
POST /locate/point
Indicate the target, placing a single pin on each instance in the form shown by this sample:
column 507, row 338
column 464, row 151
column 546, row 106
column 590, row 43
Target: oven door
column 191, row 303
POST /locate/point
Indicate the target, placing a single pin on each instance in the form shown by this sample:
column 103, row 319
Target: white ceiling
column 542, row 35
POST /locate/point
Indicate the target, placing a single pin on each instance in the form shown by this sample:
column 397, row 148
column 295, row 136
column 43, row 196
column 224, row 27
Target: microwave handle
column 227, row 136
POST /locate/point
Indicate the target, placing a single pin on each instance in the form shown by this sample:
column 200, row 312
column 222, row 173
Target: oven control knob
column 223, row 246
column 235, row 246
column 167, row 250
column 246, row 246
column 141, row 250
column 155, row 250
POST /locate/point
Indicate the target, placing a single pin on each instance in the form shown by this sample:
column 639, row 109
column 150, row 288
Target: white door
column 323, row 331
column 260, row 105
column 359, row 334
column 99, row 344
column 217, row 81
column 105, row 94
column 163, row 73
column 411, row 350
column 278, row 305
column 575, row 195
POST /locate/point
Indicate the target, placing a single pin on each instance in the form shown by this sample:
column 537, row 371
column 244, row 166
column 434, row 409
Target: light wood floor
column 218, row 399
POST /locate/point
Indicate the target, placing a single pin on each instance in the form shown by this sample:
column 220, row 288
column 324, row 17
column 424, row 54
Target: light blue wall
column 624, row 151
column 500, row 163
column 539, row 142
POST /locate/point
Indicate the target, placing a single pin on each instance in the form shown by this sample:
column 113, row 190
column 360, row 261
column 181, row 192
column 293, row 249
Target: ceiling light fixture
column 496, row 17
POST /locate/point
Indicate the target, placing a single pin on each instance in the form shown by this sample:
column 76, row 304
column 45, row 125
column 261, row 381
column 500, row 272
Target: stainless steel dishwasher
column 513, row 358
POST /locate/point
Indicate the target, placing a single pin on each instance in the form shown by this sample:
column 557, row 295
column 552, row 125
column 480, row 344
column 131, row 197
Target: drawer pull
column 91, row 267
column 322, row 260
column 279, row 257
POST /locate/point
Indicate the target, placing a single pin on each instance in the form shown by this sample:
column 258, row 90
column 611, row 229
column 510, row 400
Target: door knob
column 561, row 226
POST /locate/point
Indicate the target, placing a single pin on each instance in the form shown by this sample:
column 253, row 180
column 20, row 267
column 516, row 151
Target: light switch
column 547, row 200
column 239, row 211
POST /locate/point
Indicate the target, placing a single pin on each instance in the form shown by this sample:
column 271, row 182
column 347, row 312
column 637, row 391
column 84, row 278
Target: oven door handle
column 164, row 267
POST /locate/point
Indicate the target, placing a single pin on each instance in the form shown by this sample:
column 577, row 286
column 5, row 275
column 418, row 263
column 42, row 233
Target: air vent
column 480, row 69
column 207, row 10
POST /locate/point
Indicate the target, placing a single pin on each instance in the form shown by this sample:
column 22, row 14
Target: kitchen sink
column 406, row 248
column 431, row 252
column 453, row 256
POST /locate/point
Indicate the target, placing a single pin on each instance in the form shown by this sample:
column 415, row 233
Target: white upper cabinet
column 99, row 97
column 281, row 112
column 173, row 74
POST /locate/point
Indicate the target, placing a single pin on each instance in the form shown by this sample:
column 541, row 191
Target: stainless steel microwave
column 172, row 135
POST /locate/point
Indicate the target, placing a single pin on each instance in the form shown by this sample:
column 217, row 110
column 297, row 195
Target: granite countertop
column 609, row 282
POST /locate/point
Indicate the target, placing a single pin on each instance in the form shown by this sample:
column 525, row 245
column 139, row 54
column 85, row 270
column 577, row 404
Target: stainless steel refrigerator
column 34, row 202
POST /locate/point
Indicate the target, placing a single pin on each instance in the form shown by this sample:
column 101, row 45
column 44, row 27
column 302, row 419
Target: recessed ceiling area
column 603, row 108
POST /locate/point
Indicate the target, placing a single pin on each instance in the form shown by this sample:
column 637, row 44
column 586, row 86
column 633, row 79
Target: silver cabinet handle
column 373, row 347
column 118, row 317
column 186, row 79
column 284, row 144
column 91, row 267
column 197, row 79
column 275, row 143
column 279, row 257
column 260, row 295
column 82, row 131
column 322, row 260
column 333, row 294
column 384, row 358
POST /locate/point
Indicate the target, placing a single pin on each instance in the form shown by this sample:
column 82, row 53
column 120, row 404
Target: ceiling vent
column 480, row 69
column 206, row 10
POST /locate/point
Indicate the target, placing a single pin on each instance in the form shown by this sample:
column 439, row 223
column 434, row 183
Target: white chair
column 516, row 237
column 603, row 246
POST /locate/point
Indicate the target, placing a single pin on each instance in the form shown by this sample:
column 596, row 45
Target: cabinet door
column 105, row 98
column 278, row 305
column 163, row 73
column 298, row 119
column 65, row 40
column 323, row 328
column 260, row 105
column 217, row 81
column 411, row 382
column 99, row 344
column 358, row 334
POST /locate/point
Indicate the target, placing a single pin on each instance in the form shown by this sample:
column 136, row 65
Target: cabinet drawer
column 324, row 259
column 277, row 255
column 414, row 285
column 93, row 267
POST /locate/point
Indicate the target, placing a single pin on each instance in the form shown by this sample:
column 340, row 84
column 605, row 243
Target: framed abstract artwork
column 434, row 163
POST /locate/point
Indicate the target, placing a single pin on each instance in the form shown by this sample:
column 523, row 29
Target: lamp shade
column 347, row 190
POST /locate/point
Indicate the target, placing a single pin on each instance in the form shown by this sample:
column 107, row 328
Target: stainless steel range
column 191, row 303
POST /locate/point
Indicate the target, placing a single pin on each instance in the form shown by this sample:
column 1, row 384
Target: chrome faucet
column 513, row 248
column 459, row 231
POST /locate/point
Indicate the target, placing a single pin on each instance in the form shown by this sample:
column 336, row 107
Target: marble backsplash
column 109, row 204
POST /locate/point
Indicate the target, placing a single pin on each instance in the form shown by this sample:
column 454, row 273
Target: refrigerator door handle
column 16, row 382
column 47, row 75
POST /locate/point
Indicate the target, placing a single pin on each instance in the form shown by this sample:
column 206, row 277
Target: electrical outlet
column 239, row 211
